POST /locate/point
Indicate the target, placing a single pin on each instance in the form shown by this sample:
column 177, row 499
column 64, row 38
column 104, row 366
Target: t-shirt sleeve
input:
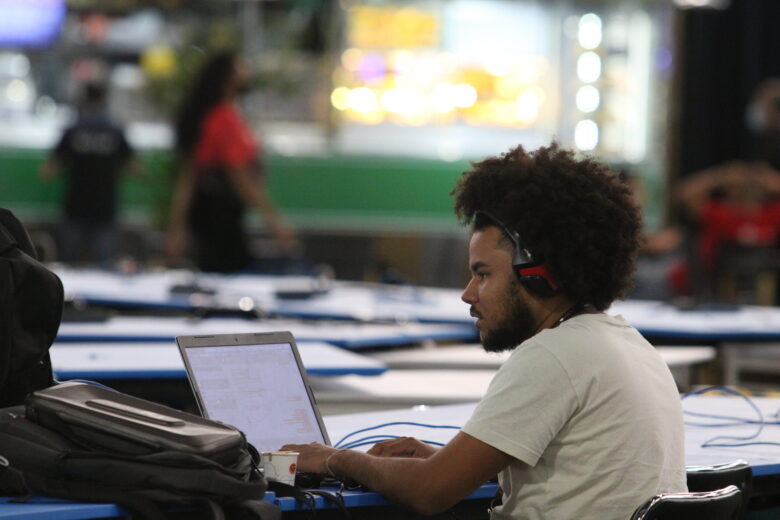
column 225, row 139
column 530, row 399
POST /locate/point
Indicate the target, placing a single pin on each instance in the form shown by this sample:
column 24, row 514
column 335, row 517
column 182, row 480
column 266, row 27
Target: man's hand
column 311, row 457
column 402, row 447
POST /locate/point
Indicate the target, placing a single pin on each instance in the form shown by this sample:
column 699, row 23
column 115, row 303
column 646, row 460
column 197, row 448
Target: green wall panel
column 338, row 192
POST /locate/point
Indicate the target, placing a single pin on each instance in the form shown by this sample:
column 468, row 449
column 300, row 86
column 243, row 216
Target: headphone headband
column 532, row 274
column 521, row 255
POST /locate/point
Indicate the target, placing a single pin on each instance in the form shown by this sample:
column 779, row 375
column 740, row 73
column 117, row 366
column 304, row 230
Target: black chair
column 710, row 478
column 722, row 504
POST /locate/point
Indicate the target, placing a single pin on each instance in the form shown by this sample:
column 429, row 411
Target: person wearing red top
column 746, row 215
column 220, row 174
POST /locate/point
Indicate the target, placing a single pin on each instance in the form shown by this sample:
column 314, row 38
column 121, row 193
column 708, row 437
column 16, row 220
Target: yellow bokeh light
column 402, row 61
column 464, row 95
column 403, row 101
column 362, row 100
column 370, row 117
column 158, row 61
column 442, row 98
column 339, row 98
column 508, row 86
column 529, row 105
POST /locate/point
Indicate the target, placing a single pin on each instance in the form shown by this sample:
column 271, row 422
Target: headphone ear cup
column 537, row 285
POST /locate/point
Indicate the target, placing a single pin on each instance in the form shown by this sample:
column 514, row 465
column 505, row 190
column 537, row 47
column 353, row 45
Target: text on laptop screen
column 259, row 390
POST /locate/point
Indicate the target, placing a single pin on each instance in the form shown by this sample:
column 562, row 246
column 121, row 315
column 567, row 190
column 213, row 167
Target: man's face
column 496, row 297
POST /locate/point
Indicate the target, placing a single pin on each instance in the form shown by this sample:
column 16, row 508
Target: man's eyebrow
column 477, row 265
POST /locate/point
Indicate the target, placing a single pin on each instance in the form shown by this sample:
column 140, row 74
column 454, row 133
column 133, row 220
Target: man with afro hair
column 583, row 420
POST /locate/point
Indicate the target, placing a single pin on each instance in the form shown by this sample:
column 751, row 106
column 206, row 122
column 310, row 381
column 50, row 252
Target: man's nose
column 469, row 294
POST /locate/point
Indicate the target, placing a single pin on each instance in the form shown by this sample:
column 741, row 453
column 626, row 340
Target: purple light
column 30, row 23
column 372, row 68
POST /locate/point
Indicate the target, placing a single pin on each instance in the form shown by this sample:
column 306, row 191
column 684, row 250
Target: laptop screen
column 257, row 388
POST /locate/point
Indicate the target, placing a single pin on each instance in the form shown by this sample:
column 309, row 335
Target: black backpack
column 30, row 312
column 78, row 464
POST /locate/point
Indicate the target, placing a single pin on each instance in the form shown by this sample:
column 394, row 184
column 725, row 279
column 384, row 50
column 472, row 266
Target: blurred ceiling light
column 351, row 59
column 402, row 61
column 589, row 33
column 443, row 98
column 586, row 134
column 362, row 100
column 339, row 98
column 17, row 91
column 529, row 104
column 588, row 99
column 403, row 100
column 464, row 95
column 588, row 67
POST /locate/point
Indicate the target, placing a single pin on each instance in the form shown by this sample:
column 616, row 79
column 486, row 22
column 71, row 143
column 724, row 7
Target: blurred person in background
column 736, row 210
column 91, row 153
column 732, row 211
column 220, row 173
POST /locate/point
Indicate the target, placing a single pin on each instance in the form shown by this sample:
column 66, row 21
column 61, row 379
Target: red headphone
column 532, row 274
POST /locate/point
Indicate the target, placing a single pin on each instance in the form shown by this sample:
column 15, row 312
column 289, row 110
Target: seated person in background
column 584, row 419
column 734, row 204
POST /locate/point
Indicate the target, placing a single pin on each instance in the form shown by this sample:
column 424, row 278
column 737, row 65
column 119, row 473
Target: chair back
column 722, row 504
column 710, row 478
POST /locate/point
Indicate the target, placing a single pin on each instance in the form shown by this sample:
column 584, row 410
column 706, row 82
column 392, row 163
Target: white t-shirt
column 591, row 414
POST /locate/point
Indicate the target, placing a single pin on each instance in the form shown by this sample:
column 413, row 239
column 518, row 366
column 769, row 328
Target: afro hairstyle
column 573, row 214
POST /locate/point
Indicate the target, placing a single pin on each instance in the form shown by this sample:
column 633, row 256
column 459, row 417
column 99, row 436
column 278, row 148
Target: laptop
column 255, row 382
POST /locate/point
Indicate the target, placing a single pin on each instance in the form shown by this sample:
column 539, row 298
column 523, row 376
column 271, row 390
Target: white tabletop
column 765, row 459
column 473, row 356
column 155, row 360
column 344, row 334
column 327, row 299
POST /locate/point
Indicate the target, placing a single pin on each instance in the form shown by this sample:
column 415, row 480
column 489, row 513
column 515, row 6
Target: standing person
column 584, row 419
column 92, row 153
column 220, row 174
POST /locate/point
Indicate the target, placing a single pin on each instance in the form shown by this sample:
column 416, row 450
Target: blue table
column 764, row 459
column 44, row 508
column 320, row 299
column 372, row 302
column 343, row 334
column 665, row 322
column 162, row 361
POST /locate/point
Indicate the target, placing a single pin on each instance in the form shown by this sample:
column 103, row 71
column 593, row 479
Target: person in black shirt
column 91, row 153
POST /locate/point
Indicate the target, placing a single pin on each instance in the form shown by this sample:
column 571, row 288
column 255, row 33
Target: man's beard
column 516, row 327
